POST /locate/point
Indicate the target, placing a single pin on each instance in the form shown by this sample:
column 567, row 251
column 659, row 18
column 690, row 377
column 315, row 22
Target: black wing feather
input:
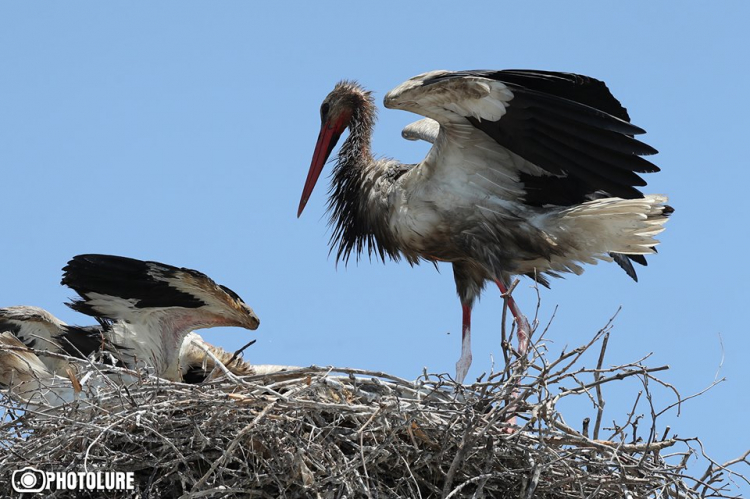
column 572, row 127
column 570, row 86
column 8, row 325
column 126, row 278
column 77, row 341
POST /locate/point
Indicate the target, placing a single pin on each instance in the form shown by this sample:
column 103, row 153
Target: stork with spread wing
column 530, row 173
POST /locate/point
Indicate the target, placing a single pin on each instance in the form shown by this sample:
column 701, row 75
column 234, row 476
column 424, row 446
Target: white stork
column 146, row 311
column 531, row 173
column 149, row 307
column 41, row 381
column 38, row 329
column 28, row 378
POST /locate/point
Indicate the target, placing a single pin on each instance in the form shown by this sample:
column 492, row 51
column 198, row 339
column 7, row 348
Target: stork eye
column 324, row 110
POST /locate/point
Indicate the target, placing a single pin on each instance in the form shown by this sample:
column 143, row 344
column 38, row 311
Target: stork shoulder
column 451, row 97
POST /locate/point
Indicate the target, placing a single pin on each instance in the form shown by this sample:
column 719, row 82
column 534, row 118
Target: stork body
column 40, row 381
column 38, row 329
column 146, row 313
column 530, row 173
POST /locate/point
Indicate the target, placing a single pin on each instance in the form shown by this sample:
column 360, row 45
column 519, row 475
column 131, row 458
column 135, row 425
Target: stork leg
column 522, row 323
column 464, row 362
column 523, row 330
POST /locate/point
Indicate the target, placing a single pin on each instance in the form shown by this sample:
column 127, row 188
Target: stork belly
column 491, row 235
column 436, row 233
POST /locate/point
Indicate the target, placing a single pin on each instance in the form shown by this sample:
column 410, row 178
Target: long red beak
column 327, row 139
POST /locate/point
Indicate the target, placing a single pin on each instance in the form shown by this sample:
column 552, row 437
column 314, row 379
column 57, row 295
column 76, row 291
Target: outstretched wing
column 540, row 138
column 120, row 288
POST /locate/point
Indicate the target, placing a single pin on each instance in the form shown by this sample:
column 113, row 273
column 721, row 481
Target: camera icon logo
column 29, row 479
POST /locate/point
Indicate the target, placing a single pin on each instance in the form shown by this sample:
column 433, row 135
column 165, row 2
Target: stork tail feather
column 622, row 226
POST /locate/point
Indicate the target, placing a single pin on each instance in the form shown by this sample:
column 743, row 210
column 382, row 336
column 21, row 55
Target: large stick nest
column 334, row 433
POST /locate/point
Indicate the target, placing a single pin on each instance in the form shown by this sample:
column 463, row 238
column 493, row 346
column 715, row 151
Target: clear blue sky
column 182, row 132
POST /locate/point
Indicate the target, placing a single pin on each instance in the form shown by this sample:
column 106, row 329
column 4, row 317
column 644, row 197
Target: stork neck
column 356, row 151
column 357, row 203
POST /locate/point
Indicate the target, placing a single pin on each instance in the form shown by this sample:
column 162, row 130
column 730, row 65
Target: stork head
column 339, row 110
column 229, row 309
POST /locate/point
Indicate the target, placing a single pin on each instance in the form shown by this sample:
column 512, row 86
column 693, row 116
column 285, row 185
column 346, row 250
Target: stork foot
column 462, row 369
column 464, row 362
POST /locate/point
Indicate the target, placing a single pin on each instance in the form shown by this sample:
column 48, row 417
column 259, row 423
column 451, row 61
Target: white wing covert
column 543, row 138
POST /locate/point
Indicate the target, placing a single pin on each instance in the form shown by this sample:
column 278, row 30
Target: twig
column 599, row 397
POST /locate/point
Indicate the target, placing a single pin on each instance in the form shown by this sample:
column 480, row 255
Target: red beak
column 327, row 139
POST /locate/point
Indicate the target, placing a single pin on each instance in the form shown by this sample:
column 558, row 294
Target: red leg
column 464, row 362
column 522, row 323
